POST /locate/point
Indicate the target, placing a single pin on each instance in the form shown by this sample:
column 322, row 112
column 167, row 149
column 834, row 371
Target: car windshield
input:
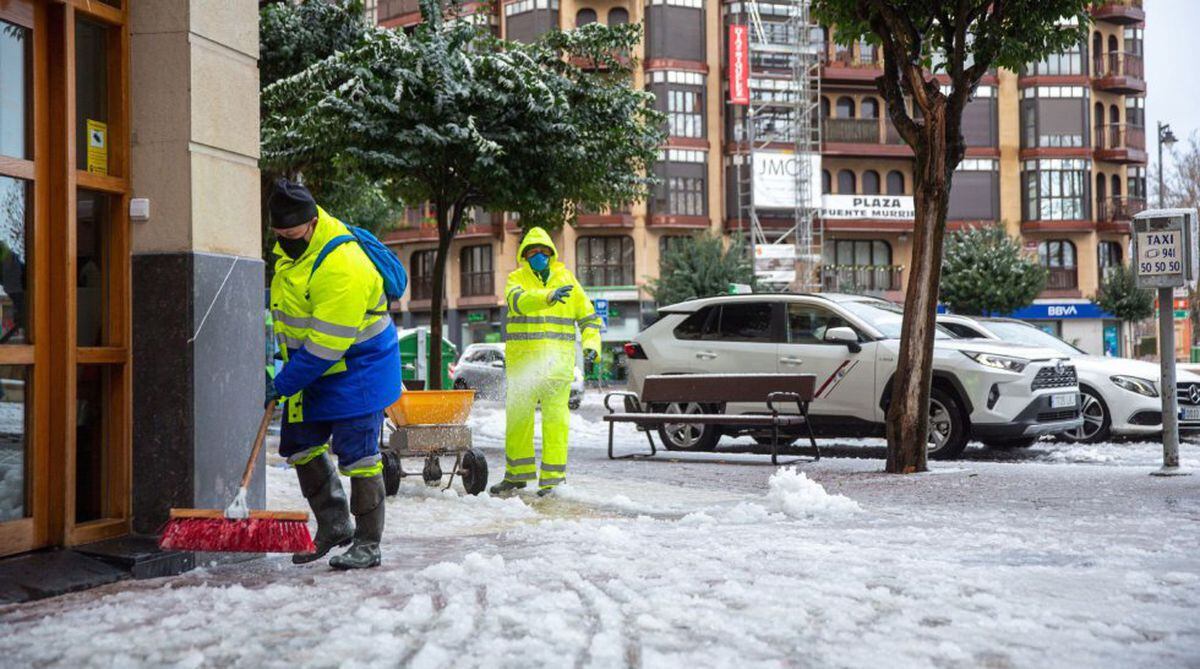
column 887, row 318
column 1029, row 335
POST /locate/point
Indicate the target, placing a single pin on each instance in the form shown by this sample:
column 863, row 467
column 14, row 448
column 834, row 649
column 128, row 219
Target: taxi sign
column 1164, row 248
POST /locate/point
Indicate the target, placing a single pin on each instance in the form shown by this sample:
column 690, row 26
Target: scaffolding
column 781, row 118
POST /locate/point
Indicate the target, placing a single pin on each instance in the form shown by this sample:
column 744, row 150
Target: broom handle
column 268, row 414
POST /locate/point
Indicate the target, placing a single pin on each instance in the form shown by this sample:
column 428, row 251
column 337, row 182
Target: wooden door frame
column 114, row 351
column 33, row 531
column 54, row 355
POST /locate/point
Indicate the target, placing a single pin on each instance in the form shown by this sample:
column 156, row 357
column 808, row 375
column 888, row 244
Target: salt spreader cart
column 431, row 424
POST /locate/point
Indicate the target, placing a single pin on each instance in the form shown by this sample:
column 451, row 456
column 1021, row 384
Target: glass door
column 24, row 474
column 96, row 253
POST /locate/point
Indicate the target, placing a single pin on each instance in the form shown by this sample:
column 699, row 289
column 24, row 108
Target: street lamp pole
column 1165, row 136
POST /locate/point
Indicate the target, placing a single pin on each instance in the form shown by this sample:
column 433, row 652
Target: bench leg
column 629, row 456
column 775, row 445
column 808, row 426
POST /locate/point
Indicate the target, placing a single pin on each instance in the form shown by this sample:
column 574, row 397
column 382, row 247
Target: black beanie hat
column 291, row 205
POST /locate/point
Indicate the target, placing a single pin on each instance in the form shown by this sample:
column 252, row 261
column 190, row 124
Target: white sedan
column 1119, row 395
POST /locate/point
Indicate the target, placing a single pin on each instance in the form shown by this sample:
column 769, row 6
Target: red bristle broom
column 237, row 529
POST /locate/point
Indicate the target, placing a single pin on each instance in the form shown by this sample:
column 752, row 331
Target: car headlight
column 998, row 361
column 1135, row 385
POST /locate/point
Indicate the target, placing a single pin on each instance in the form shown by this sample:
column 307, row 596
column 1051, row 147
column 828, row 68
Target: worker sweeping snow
column 342, row 368
column 545, row 306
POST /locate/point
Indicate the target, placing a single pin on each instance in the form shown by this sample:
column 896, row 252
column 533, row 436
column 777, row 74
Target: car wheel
column 1097, row 424
column 1005, row 444
column 689, row 436
column 461, row 384
column 947, row 426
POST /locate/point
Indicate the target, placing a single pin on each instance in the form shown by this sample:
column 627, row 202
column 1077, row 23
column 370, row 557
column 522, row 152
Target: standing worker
column 341, row 370
column 545, row 305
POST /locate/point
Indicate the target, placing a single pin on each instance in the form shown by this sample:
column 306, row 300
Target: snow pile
column 797, row 496
column 790, row 495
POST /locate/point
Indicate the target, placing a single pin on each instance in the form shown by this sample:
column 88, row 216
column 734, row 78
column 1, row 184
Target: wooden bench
column 769, row 389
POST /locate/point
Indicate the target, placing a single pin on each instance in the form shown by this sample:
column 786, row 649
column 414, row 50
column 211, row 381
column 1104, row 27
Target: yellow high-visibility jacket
column 539, row 334
column 342, row 358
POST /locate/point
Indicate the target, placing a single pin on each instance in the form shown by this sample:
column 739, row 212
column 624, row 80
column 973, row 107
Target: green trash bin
column 1196, row 354
column 408, row 354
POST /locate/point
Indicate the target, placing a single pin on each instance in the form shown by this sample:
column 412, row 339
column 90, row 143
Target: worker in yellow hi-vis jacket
column 545, row 306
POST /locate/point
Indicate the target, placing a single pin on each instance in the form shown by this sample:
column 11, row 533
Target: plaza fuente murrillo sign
column 895, row 207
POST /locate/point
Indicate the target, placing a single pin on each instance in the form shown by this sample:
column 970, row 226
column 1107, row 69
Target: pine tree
column 1120, row 296
column 985, row 273
column 700, row 266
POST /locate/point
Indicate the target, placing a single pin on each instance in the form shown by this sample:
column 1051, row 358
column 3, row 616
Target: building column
column 198, row 292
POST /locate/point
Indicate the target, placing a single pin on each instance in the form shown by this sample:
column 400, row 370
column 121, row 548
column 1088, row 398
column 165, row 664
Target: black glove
column 589, row 356
column 560, row 294
column 273, row 400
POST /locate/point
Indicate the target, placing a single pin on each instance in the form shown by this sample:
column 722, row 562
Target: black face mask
column 294, row 248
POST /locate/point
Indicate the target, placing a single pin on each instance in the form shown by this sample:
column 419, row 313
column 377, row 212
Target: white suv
column 1002, row 394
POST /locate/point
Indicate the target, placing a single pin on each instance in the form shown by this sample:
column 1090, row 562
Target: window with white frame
column 1056, row 189
column 685, row 196
column 684, row 117
column 1065, row 63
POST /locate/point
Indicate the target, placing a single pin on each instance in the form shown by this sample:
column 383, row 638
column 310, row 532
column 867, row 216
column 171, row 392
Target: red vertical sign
column 739, row 65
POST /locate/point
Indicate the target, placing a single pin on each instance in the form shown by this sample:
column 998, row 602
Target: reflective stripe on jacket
column 340, row 347
column 537, row 331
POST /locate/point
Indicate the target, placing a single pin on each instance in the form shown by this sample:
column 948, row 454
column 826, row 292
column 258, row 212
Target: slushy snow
column 696, row 560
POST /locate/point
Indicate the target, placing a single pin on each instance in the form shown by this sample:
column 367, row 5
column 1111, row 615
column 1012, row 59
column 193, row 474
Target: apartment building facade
column 1056, row 152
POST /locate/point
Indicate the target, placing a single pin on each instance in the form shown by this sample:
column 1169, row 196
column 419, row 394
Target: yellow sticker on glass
column 97, row 147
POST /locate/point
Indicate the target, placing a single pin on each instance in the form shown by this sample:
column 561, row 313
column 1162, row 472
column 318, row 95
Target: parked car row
column 1000, row 381
column 1119, row 396
column 1002, row 393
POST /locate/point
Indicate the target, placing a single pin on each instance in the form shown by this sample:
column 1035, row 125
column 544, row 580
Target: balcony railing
column 475, row 284
column 1114, row 209
column 1117, row 64
column 847, row 58
column 860, row 278
column 1062, row 278
column 1120, row 136
column 851, row 130
column 422, row 288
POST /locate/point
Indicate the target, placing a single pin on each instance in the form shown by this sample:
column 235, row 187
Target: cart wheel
column 391, row 472
column 432, row 473
column 474, row 471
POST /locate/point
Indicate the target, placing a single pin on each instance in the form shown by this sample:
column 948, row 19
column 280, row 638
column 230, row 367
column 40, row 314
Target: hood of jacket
column 536, row 237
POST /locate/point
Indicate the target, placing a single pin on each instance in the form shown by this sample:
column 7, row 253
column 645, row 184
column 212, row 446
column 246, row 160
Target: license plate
column 1062, row 400
column 1190, row 413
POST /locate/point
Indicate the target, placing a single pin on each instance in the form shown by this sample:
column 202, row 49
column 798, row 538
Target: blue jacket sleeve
column 302, row 368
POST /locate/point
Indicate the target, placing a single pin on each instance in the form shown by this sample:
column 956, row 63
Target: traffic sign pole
column 1170, row 404
column 1166, row 257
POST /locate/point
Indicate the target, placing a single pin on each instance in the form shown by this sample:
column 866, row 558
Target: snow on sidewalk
column 618, row 573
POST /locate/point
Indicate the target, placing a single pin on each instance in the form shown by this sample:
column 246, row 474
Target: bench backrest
column 719, row 388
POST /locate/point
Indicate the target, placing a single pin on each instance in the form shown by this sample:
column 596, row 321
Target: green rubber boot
column 366, row 501
column 321, row 486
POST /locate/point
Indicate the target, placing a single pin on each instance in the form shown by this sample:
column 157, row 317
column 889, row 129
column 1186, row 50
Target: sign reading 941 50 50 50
column 1164, row 248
